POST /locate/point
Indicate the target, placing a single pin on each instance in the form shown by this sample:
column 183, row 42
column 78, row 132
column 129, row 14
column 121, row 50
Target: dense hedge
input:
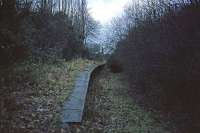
column 161, row 58
column 43, row 36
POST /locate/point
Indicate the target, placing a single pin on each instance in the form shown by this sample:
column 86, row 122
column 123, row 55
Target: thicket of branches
column 43, row 29
column 159, row 51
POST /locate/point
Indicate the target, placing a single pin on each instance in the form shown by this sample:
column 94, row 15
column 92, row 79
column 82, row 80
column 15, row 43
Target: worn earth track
column 110, row 109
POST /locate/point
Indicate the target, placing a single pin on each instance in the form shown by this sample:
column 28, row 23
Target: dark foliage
column 50, row 35
column 115, row 66
column 161, row 58
column 41, row 34
column 9, row 31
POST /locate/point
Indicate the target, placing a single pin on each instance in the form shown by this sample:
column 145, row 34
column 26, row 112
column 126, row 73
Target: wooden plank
column 73, row 108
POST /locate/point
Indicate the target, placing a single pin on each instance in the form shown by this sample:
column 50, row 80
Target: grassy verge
column 32, row 94
column 111, row 110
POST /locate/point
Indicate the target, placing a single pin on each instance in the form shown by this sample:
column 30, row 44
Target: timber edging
column 73, row 109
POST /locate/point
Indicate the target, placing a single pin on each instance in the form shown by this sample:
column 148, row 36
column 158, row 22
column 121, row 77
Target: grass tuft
column 37, row 92
column 110, row 109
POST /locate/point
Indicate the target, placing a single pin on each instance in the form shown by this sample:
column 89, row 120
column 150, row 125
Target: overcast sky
column 105, row 10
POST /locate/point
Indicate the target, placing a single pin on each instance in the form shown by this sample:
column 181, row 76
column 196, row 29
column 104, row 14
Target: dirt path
column 110, row 109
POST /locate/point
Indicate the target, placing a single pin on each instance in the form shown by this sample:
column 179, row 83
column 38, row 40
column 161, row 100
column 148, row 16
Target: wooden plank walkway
column 73, row 108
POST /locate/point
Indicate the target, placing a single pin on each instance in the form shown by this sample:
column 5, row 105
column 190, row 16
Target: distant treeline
column 159, row 50
column 42, row 29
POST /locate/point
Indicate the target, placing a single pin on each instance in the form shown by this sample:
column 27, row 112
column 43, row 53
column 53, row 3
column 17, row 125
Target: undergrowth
column 110, row 109
column 32, row 94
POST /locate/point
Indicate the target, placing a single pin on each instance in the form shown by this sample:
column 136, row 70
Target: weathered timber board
column 73, row 108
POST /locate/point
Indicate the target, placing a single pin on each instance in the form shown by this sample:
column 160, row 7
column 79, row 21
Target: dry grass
column 111, row 110
column 32, row 95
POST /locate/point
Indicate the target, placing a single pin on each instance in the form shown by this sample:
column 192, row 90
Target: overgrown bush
column 42, row 34
column 51, row 36
column 161, row 56
column 9, row 32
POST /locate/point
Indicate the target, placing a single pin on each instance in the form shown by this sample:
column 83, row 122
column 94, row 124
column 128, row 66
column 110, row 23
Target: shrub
column 161, row 58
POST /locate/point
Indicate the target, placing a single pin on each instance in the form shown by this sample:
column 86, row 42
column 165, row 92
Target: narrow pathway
column 73, row 108
column 110, row 109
